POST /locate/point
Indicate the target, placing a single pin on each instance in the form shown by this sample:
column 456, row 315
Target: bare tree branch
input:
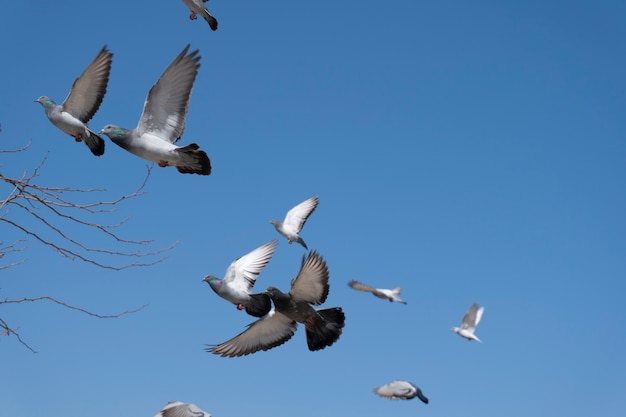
column 56, row 215
column 6, row 330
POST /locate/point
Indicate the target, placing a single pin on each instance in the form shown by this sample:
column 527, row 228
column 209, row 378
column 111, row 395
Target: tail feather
column 194, row 161
column 301, row 241
column 210, row 20
column 326, row 328
column 259, row 305
column 421, row 396
column 95, row 143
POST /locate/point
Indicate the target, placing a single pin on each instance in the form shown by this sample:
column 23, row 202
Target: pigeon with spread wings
column 295, row 219
column 469, row 323
column 240, row 277
column 82, row 102
column 323, row 326
column 162, row 121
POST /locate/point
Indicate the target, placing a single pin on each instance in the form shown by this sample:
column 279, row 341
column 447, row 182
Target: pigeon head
column 114, row 132
column 45, row 101
column 274, row 222
column 273, row 292
column 214, row 282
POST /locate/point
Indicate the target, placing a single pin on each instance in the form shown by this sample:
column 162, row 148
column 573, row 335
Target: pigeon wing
column 298, row 215
column 167, row 102
column 243, row 272
column 89, row 88
column 479, row 315
column 469, row 319
column 270, row 331
column 311, row 283
column 359, row 286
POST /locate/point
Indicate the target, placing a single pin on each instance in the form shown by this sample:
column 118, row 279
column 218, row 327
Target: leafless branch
column 6, row 330
column 55, row 216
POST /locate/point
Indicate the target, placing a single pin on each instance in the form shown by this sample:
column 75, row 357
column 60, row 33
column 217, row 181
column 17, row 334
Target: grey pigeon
column 400, row 390
column 240, row 277
column 295, row 219
column 180, row 409
column 197, row 7
column 385, row 294
column 82, row 102
column 323, row 326
column 163, row 121
column 469, row 323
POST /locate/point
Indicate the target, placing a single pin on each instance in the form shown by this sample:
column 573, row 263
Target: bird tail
column 301, row 241
column 324, row 328
column 95, row 143
column 210, row 20
column 421, row 396
column 259, row 305
column 194, row 161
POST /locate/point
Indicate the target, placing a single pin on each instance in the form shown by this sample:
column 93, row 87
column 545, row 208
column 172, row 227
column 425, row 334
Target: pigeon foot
column 163, row 163
column 240, row 306
column 193, row 16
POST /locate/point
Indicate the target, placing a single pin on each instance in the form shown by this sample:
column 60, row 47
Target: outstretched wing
column 297, row 216
column 269, row 331
column 311, row 283
column 243, row 272
column 167, row 102
column 88, row 90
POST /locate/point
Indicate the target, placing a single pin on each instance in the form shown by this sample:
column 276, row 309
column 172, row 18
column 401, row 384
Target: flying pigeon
column 385, row 294
column 400, row 390
column 295, row 219
column 180, row 409
column 82, row 103
column 163, row 121
column 470, row 321
column 323, row 326
column 240, row 278
column 197, row 7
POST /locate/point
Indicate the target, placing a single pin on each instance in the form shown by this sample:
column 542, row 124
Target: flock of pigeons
column 277, row 324
column 160, row 126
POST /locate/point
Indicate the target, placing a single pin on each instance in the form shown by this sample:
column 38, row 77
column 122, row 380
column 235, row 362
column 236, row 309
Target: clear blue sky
column 467, row 151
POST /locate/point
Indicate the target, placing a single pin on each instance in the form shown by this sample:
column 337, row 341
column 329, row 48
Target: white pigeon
column 400, row 390
column 385, row 294
column 240, row 277
column 82, row 102
column 162, row 121
column 180, row 409
column 295, row 219
column 197, row 7
column 469, row 323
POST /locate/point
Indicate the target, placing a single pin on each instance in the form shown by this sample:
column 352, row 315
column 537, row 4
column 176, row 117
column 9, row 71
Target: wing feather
column 167, row 102
column 311, row 283
column 88, row 90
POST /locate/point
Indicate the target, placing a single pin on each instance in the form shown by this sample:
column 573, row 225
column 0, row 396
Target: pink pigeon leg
column 240, row 306
column 163, row 164
column 193, row 16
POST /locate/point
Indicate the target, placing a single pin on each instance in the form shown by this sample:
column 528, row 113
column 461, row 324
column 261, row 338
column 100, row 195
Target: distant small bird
column 180, row 409
column 163, row 121
column 469, row 323
column 240, row 277
column 82, row 102
column 295, row 219
column 400, row 390
column 385, row 294
column 197, row 7
column 310, row 287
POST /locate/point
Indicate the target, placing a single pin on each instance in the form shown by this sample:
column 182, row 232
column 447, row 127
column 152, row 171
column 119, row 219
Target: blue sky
column 469, row 152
